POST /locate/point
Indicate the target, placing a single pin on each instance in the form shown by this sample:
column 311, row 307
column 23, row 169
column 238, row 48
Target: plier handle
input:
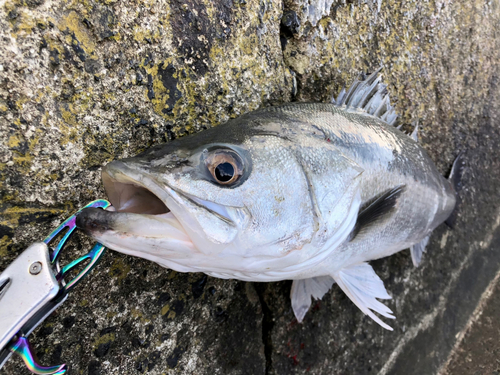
column 33, row 286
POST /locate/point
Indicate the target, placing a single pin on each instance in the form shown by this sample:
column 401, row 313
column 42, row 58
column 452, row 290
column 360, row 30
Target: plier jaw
column 33, row 286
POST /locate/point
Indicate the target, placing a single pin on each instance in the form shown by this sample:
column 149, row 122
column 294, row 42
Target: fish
column 309, row 192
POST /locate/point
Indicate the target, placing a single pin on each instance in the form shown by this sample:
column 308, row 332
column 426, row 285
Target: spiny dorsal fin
column 382, row 206
column 370, row 96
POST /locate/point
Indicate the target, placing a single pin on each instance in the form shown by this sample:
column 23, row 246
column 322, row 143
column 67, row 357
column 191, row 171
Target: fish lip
column 120, row 173
column 92, row 220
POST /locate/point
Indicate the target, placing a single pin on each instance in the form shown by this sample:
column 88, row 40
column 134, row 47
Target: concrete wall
column 86, row 82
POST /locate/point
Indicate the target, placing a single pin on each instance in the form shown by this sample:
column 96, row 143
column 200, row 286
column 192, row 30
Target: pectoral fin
column 376, row 211
column 303, row 290
column 363, row 287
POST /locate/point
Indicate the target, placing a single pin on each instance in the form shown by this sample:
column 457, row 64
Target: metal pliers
column 33, row 286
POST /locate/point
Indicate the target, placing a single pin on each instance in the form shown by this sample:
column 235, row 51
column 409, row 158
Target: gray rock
column 83, row 83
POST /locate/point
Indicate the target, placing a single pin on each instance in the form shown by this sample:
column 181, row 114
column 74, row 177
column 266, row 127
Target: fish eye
column 225, row 166
column 224, row 172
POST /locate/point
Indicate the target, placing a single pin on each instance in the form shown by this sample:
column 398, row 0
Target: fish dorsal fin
column 369, row 96
column 414, row 133
column 455, row 180
column 363, row 287
column 417, row 250
column 376, row 211
column 303, row 290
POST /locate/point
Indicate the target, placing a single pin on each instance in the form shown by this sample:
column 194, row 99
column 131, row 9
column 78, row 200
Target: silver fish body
column 308, row 192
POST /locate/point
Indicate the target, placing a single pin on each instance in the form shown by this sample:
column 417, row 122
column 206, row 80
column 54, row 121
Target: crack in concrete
column 267, row 327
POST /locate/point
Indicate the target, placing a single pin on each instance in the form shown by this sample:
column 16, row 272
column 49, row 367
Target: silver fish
column 303, row 192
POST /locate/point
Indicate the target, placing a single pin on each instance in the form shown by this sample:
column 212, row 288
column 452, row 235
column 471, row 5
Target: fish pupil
column 224, row 172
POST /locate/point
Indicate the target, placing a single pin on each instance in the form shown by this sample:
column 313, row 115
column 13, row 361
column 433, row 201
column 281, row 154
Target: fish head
column 207, row 201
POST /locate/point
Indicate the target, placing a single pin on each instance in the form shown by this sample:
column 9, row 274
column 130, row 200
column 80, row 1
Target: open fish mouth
column 145, row 209
column 127, row 194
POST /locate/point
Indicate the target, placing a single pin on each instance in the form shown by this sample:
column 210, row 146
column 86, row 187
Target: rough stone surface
column 478, row 351
column 86, row 82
